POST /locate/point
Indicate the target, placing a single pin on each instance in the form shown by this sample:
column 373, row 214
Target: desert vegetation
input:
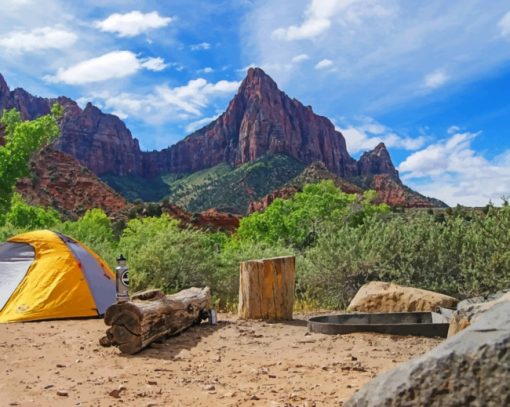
column 340, row 241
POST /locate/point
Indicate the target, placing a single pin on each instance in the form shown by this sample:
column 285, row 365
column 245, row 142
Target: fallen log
column 151, row 315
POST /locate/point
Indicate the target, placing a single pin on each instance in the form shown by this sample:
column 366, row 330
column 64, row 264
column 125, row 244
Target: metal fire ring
column 428, row 324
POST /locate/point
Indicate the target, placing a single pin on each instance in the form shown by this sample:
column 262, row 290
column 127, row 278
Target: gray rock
column 486, row 298
column 471, row 312
column 469, row 369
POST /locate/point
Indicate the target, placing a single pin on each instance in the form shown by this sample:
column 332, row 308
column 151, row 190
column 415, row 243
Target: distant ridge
column 260, row 121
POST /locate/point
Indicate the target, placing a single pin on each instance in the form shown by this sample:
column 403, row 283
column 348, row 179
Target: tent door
column 101, row 286
column 15, row 260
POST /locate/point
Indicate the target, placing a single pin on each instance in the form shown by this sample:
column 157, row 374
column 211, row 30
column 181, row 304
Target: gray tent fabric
column 15, row 260
column 97, row 279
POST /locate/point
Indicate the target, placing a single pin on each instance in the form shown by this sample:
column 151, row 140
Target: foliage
column 222, row 187
column 22, row 139
column 341, row 241
column 162, row 255
column 23, row 217
column 94, row 229
column 298, row 221
column 28, row 217
column 461, row 254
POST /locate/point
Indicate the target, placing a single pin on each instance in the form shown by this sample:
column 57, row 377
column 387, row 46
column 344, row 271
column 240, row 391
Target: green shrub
column 162, row 255
column 298, row 221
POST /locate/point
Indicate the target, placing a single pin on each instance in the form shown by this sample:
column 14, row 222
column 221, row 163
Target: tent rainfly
column 46, row 275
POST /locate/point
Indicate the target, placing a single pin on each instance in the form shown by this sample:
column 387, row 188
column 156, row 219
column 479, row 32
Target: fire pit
column 395, row 323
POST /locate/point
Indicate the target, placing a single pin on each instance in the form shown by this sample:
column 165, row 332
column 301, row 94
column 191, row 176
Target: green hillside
column 222, row 187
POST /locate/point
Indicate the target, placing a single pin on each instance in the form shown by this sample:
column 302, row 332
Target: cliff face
column 377, row 161
column 260, row 120
column 99, row 141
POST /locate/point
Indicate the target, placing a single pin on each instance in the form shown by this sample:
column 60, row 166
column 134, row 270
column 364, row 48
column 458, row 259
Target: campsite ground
column 234, row 363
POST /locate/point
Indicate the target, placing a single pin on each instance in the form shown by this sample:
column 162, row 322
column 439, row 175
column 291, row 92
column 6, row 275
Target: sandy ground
column 235, row 363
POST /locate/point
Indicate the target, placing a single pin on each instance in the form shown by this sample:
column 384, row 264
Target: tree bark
column 266, row 289
column 151, row 315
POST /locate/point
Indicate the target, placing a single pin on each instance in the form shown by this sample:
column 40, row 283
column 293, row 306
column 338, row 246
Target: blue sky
column 430, row 79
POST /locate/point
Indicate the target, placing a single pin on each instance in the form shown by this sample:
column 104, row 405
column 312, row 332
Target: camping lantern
column 122, row 280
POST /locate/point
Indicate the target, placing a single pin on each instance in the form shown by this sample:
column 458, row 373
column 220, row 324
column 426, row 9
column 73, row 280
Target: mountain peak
column 377, row 161
column 257, row 79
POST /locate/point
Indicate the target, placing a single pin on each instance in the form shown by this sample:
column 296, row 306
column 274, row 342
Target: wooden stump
column 266, row 289
column 151, row 315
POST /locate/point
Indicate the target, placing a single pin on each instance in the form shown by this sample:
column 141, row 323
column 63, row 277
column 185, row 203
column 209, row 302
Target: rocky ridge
column 58, row 180
column 260, row 120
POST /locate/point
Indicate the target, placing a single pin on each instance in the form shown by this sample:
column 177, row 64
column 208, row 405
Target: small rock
column 152, row 382
column 48, row 386
column 254, row 397
column 60, row 365
column 62, row 393
column 209, row 387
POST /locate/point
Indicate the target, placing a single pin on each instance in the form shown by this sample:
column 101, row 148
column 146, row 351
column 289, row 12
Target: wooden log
column 266, row 289
column 151, row 315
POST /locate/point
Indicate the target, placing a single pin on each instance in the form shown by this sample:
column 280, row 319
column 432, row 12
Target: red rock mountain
column 259, row 120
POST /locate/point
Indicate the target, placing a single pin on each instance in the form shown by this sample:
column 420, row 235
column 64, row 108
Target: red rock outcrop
column 260, row 120
column 262, row 204
column 377, row 161
column 394, row 193
column 99, row 141
column 58, row 180
column 207, row 220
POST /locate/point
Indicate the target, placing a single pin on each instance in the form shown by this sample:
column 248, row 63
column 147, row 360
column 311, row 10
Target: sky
column 430, row 79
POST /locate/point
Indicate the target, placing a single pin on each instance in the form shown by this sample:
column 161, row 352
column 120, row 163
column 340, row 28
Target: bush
column 162, row 255
column 462, row 255
column 298, row 221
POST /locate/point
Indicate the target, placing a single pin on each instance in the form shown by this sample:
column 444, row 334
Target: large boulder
column 378, row 296
column 469, row 369
column 470, row 310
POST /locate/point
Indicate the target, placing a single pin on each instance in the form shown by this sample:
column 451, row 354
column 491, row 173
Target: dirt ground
column 235, row 363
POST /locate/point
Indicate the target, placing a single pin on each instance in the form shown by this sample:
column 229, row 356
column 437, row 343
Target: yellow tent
column 46, row 275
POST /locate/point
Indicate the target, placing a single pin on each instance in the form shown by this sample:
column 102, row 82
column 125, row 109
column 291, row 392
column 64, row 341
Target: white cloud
column 323, row 64
column 38, row 39
column 154, row 64
column 504, row 25
column 166, row 104
column 383, row 49
column 198, row 124
column 453, row 129
column 201, row 46
column 453, row 172
column 207, row 69
column 299, row 58
column 369, row 133
column 132, row 23
column 435, row 79
column 115, row 64
column 317, row 20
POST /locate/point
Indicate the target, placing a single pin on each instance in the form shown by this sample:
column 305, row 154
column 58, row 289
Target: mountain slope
column 260, row 121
